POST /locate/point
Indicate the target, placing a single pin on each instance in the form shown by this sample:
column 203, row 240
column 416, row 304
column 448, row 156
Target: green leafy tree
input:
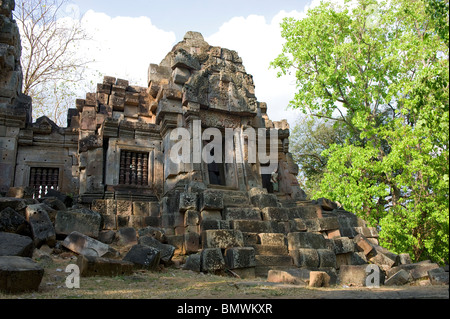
column 309, row 138
column 381, row 69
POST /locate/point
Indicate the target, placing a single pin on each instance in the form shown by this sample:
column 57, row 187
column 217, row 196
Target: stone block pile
column 285, row 243
column 33, row 231
column 313, row 243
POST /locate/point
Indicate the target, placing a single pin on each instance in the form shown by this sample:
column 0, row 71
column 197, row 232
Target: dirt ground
column 175, row 283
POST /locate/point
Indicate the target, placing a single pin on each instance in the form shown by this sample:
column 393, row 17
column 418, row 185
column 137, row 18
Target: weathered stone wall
column 43, row 144
column 15, row 108
column 117, row 118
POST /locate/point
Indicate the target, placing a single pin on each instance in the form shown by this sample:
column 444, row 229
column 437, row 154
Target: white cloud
column 124, row 47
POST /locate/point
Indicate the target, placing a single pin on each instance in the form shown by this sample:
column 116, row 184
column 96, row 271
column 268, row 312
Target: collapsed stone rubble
column 298, row 249
column 106, row 188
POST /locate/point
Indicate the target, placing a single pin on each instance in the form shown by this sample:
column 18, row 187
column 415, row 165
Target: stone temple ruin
column 108, row 178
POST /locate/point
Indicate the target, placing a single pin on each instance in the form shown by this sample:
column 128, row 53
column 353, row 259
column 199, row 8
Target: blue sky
column 199, row 15
column 129, row 35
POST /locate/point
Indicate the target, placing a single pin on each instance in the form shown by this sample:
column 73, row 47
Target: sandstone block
column 236, row 199
column 183, row 59
column 188, row 201
column 193, row 263
column 240, row 257
column 181, row 75
column 272, row 239
column 98, row 266
column 104, row 88
column 127, row 236
column 109, row 80
column 12, row 222
column 82, row 220
column 333, row 233
column 291, row 276
column 252, row 226
column 438, row 276
column 263, row 271
column 100, row 206
column 306, row 240
column 297, row 225
column 191, row 218
column 41, row 226
column 107, row 236
column 304, row 212
column 211, row 200
column 343, row 245
column 19, row 274
column 222, row 238
column 416, row 270
column 131, row 99
column 275, row 213
column 178, row 242
column 312, row 225
column 264, row 200
column 214, row 224
column 305, row 257
column 137, row 221
column 208, row 214
column 358, row 258
column 84, row 245
column 15, row 245
column 343, row 259
column 166, row 250
column 399, row 278
column 349, row 232
column 328, row 223
column 327, row 258
column 385, row 260
column 117, row 102
column 109, row 221
column 364, row 245
column 250, row 239
column 319, row 279
column 143, row 256
column 152, row 221
column 281, row 227
column 273, row 260
column 237, row 213
column 351, row 258
column 322, row 224
column 212, row 260
column 269, row 250
column 191, row 242
column 124, row 207
column 141, row 209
